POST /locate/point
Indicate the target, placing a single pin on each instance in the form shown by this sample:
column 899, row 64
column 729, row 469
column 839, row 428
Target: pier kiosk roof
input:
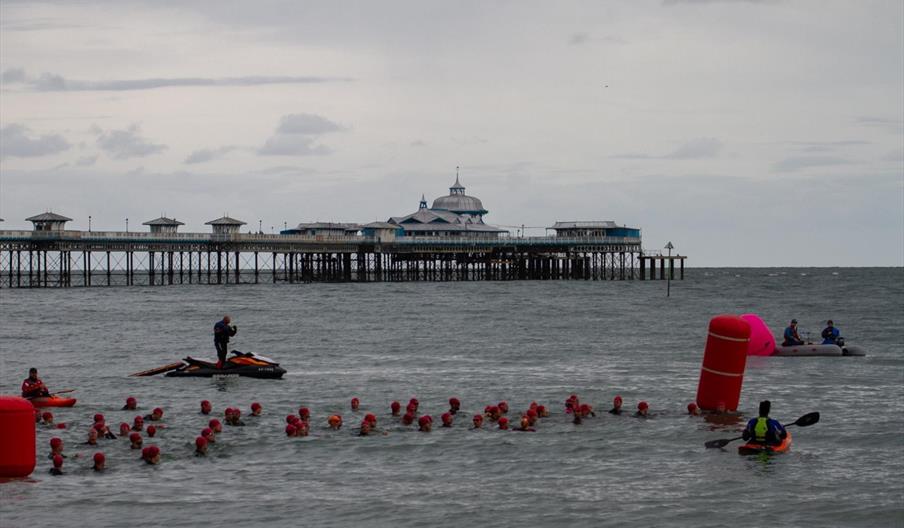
column 225, row 224
column 49, row 221
column 163, row 225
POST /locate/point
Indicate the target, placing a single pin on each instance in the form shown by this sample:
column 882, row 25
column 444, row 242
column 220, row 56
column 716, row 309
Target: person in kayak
column 222, row 331
column 33, row 387
column 831, row 335
column 792, row 338
column 764, row 430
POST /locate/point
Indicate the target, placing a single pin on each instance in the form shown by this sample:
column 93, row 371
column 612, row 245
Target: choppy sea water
column 482, row 342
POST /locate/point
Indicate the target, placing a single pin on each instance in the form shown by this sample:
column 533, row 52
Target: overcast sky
column 765, row 133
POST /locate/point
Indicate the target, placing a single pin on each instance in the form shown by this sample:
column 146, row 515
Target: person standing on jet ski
column 222, row 331
column 831, row 335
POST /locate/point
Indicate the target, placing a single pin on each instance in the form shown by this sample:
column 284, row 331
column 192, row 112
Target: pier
column 47, row 258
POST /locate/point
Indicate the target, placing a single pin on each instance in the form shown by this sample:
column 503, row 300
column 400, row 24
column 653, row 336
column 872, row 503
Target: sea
column 482, row 342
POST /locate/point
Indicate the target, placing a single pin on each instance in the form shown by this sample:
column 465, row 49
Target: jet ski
column 245, row 364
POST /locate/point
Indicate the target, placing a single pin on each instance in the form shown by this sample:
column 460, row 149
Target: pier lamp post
column 89, row 223
column 260, row 226
column 668, row 281
column 127, row 225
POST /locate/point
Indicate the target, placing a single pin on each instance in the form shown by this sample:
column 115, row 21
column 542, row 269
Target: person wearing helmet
column 831, row 335
column 792, row 338
column 222, row 331
column 33, row 387
column 764, row 430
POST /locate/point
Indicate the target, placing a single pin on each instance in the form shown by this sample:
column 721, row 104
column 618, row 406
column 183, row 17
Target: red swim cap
column 454, row 402
column 145, row 452
column 369, row 417
column 200, row 441
column 494, row 409
column 290, row 430
column 503, row 423
column 124, row 428
column 304, row 412
column 60, row 426
column 395, row 406
column 255, row 406
column 414, row 401
column 408, row 418
column 503, row 406
column 532, row 412
column 691, row 407
column 585, row 408
column 205, row 403
column 131, row 401
column 46, row 416
column 643, row 405
column 425, row 419
column 478, row 418
column 291, row 418
column 135, row 436
column 98, row 417
column 541, row 409
column 236, row 412
column 56, row 442
column 214, row 423
column 152, row 430
column 533, row 405
column 356, row 400
column 57, row 461
column 98, row 426
column 139, row 419
column 207, row 431
column 446, row 418
column 617, row 399
column 99, row 457
column 153, row 450
column 157, row 410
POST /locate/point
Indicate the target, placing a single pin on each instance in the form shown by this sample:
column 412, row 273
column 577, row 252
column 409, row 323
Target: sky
column 747, row 133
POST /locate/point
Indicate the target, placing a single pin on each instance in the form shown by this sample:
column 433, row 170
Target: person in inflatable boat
column 831, row 335
column 792, row 338
column 764, row 430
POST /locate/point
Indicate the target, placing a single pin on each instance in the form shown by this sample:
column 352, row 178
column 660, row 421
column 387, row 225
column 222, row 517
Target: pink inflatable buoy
column 762, row 342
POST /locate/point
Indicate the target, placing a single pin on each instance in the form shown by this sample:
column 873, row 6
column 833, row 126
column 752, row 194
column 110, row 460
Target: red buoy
column 724, row 362
column 17, row 443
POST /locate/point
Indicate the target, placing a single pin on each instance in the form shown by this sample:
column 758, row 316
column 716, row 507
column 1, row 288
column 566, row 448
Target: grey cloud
column 893, row 125
column 578, row 38
column 296, row 135
column 18, row 141
column 824, row 146
column 128, row 143
column 204, row 155
column 698, row 148
column 703, row 2
column 52, row 82
column 13, row 75
column 87, row 161
column 308, row 124
column 803, row 162
column 418, row 143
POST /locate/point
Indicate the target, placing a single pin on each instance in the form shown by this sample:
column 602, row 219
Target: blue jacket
column 830, row 335
column 222, row 332
column 775, row 431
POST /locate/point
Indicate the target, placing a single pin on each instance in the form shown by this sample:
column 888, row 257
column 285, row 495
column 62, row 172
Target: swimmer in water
column 138, row 424
column 503, row 407
column 200, row 446
column 301, row 429
column 135, row 440
column 209, row 435
column 56, row 447
column 92, row 437
column 542, row 411
column 235, row 418
column 371, row 419
column 425, row 423
column 572, row 404
column 503, row 423
column 151, row 455
column 524, row 425
column 531, row 416
column 256, row 409
column 334, row 422
column 408, row 419
column 57, row 468
column 494, row 413
column 643, row 409
column 100, row 462
column 365, row 428
column 477, row 420
column 305, row 414
column 396, row 408
column 206, row 407
column 692, row 409
column 124, row 429
column 151, row 430
column 414, row 404
column 215, row 425
column 454, row 405
column 291, row 430
column 446, row 418
column 355, row 404
column 131, row 404
column 155, row 416
column 616, row 406
column 586, row 411
column 47, row 418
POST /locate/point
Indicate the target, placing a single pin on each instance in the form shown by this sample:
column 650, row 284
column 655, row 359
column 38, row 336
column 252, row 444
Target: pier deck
column 31, row 259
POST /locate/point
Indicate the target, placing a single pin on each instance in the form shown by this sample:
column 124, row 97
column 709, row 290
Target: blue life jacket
column 830, row 335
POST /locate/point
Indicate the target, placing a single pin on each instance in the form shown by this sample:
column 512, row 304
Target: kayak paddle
column 803, row 421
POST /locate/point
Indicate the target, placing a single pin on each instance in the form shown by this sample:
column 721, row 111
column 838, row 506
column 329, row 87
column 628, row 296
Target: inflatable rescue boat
column 818, row 350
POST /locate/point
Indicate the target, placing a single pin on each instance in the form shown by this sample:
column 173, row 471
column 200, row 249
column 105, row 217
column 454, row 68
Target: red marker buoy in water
column 17, row 443
column 724, row 361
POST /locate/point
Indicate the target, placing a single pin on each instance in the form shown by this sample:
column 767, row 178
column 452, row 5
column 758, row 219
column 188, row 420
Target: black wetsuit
column 221, row 334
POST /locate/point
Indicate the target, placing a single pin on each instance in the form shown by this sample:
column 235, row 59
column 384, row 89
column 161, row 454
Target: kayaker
column 764, row 430
column 831, row 335
column 222, row 331
column 791, row 336
column 33, row 387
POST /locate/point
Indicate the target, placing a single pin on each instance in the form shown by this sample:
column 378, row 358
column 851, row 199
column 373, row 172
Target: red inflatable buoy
column 724, row 362
column 17, row 443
